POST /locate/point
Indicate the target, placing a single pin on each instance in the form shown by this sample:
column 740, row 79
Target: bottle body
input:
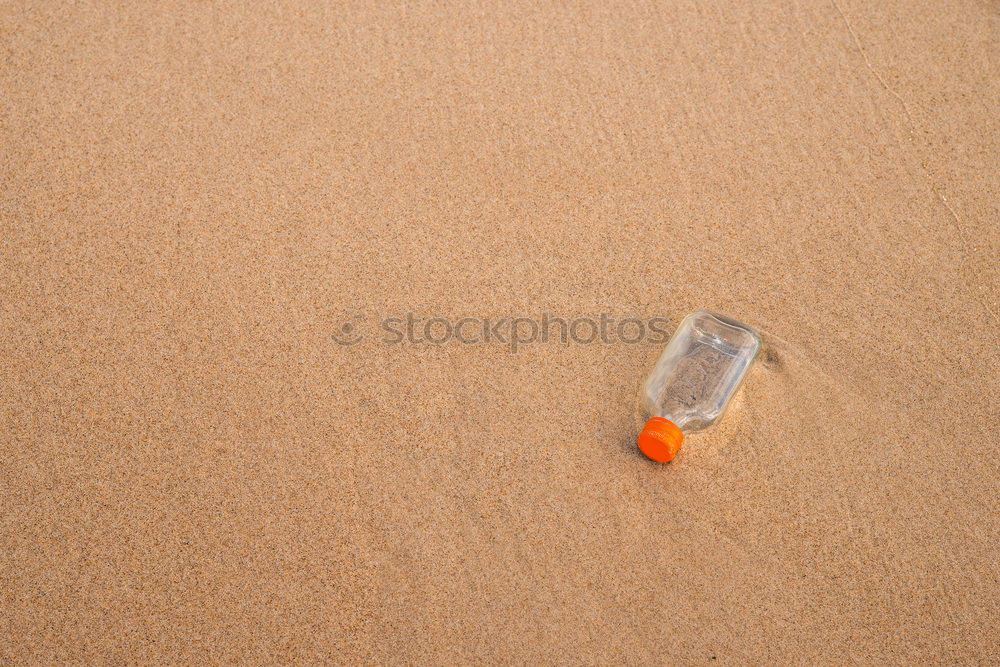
column 694, row 380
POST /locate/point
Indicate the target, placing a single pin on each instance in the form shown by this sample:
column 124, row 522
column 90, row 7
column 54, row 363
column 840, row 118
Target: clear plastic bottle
column 694, row 380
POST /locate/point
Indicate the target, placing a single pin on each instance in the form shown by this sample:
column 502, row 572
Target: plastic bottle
column 694, row 380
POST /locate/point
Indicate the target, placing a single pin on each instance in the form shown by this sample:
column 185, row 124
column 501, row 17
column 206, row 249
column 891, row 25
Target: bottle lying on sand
column 694, row 380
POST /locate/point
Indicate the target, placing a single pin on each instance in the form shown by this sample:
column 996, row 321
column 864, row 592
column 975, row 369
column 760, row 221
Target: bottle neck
column 682, row 420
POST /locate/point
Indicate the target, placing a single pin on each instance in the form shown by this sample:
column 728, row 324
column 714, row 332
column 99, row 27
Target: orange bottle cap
column 660, row 439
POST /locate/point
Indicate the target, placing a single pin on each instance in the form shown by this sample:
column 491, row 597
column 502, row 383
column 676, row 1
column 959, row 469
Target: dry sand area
column 199, row 200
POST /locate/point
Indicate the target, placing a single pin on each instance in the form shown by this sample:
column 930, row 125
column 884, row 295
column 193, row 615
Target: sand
column 196, row 198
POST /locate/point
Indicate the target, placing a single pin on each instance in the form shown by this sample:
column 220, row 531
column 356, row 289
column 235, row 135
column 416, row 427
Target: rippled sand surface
column 199, row 203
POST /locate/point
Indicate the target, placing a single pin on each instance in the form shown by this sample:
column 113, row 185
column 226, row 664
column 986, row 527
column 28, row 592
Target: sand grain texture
column 195, row 197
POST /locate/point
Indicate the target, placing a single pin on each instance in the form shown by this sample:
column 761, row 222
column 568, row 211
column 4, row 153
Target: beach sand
column 196, row 198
